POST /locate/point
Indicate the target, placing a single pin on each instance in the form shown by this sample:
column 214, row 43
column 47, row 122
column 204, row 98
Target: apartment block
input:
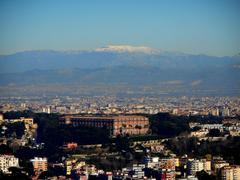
column 7, row 161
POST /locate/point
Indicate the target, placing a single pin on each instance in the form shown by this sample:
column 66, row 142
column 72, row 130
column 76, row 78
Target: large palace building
column 117, row 125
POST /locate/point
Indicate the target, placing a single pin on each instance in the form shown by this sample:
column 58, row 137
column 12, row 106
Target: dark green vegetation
column 165, row 125
column 214, row 133
column 162, row 125
column 4, row 149
column 15, row 129
column 202, row 175
column 229, row 149
column 51, row 133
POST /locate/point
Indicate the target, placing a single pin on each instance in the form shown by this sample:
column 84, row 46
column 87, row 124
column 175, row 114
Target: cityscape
column 120, row 90
column 120, row 138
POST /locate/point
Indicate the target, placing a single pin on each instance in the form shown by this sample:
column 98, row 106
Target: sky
column 209, row 27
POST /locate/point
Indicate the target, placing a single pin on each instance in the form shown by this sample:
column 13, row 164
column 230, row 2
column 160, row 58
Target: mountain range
column 134, row 67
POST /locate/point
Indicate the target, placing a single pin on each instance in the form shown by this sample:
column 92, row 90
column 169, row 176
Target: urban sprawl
column 108, row 137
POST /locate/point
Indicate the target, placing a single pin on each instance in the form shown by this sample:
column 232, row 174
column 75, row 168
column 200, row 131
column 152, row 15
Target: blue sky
column 192, row 26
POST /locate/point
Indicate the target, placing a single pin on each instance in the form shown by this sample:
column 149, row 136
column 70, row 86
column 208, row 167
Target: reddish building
column 131, row 125
column 71, row 145
column 39, row 164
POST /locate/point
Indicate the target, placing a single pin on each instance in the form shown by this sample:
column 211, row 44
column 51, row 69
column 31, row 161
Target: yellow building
column 1, row 118
column 206, row 165
column 219, row 164
column 230, row 172
column 72, row 164
column 69, row 163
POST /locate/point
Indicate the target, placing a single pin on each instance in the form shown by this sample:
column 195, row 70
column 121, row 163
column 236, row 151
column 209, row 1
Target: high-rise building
column 46, row 110
column 1, row 117
column 7, row 161
column 39, row 164
column 215, row 112
column 218, row 164
column 225, row 111
column 236, row 172
column 194, row 166
column 230, row 172
column 175, row 111
column 206, row 165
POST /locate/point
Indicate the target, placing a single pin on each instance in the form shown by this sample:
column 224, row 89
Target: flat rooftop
column 130, row 117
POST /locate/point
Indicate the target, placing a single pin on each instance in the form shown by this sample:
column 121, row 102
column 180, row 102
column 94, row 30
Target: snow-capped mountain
column 132, row 66
column 128, row 49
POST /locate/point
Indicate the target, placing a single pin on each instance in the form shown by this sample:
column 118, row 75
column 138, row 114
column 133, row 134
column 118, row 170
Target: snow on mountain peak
column 128, row 48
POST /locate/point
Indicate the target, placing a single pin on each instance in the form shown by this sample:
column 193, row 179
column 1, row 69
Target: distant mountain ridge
column 109, row 57
column 131, row 66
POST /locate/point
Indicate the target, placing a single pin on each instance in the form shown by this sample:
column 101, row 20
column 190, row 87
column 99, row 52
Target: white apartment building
column 7, row 161
column 195, row 165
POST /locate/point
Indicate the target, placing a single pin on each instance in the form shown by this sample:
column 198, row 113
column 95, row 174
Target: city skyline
column 203, row 27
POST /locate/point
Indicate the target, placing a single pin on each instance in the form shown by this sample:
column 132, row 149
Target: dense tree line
column 51, row 132
column 15, row 129
column 229, row 149
column 166, row 125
